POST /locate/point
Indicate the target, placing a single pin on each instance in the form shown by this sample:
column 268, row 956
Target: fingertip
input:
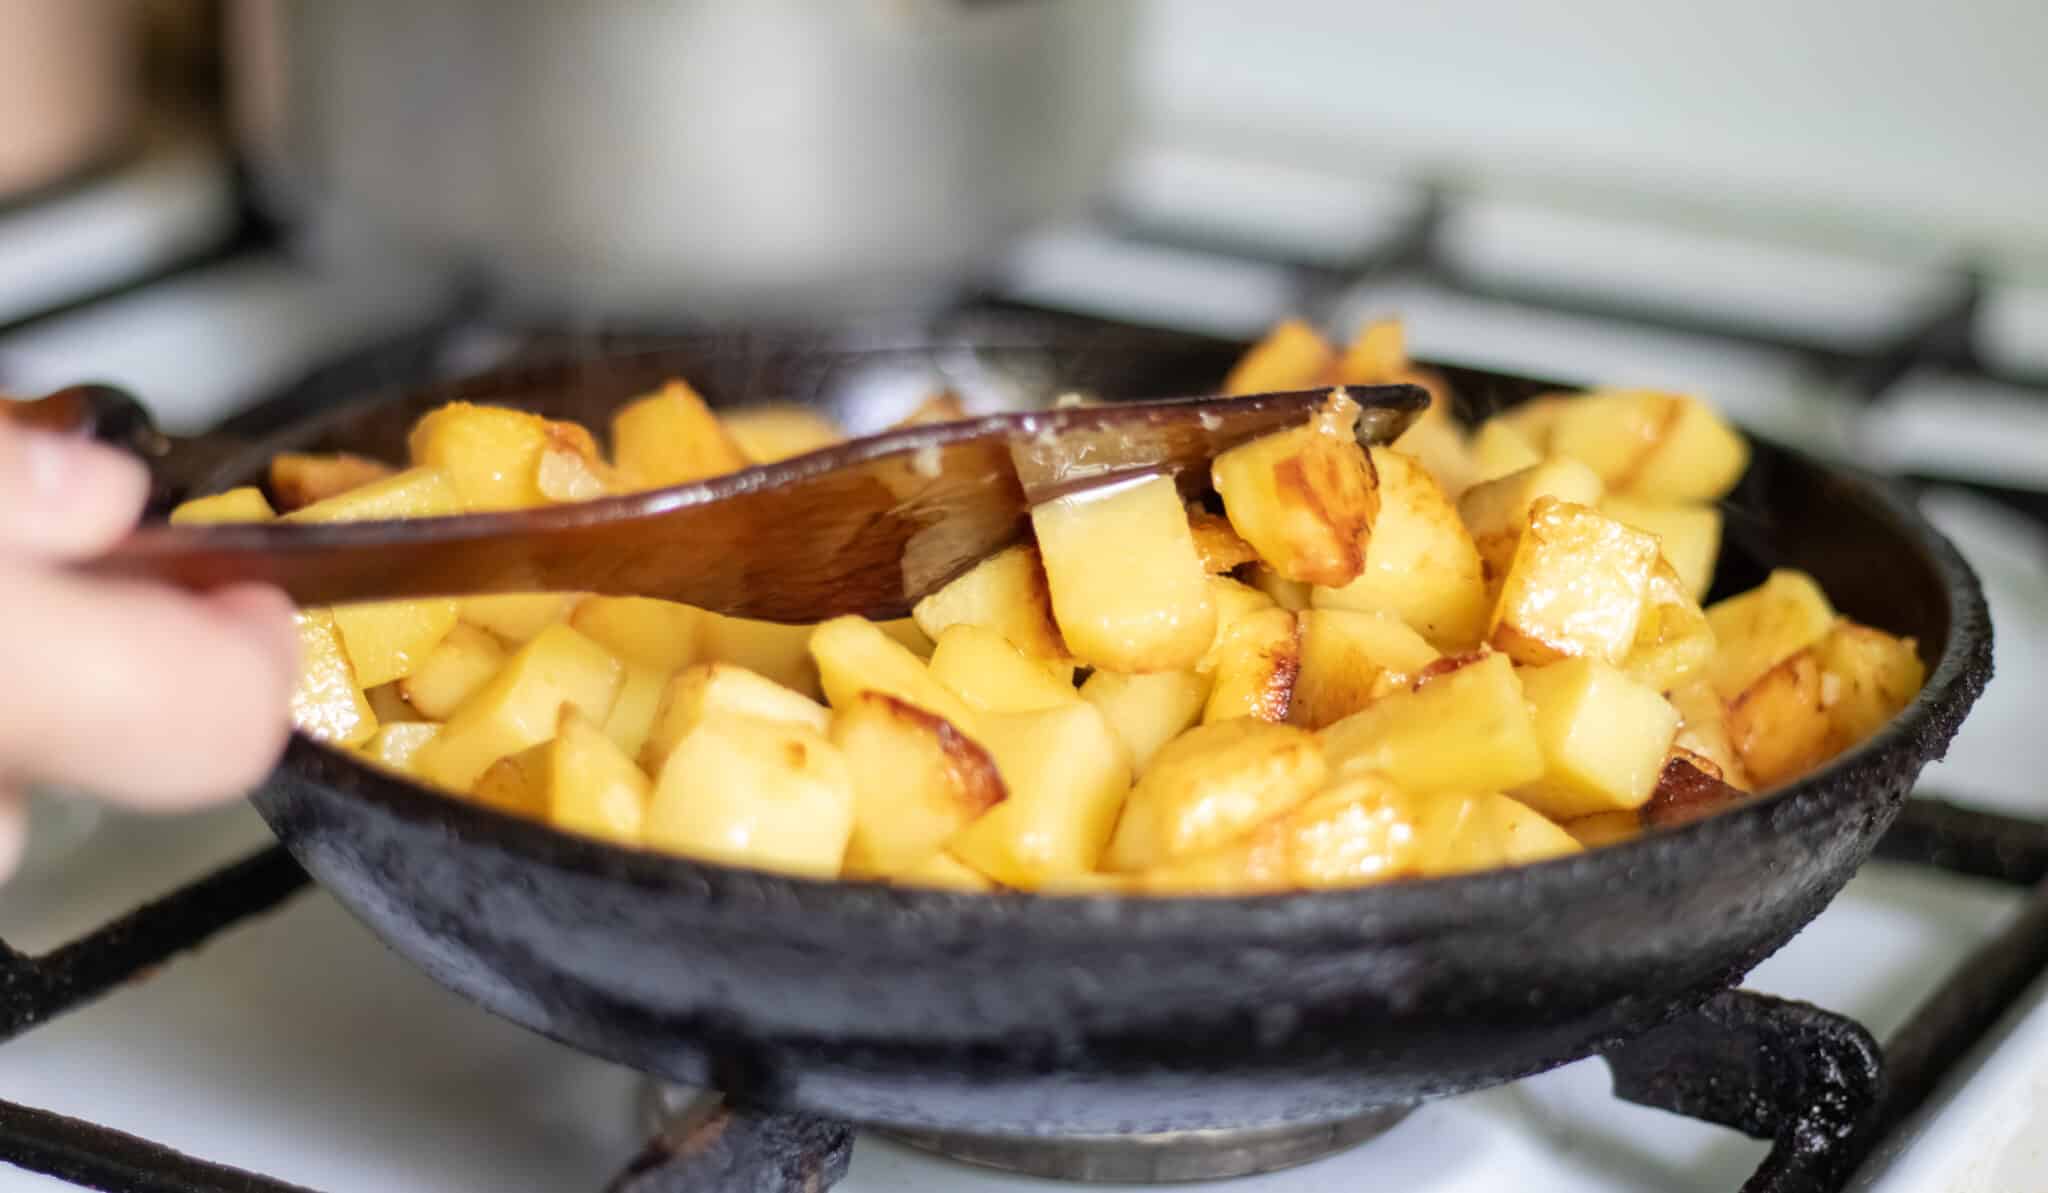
column 266, row 614
column 75, row 497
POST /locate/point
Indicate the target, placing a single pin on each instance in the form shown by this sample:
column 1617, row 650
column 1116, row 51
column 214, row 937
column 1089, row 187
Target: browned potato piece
column 1867, row 677
column 1420, row 564
column 1703, row 731
column 1779, row 724
column 492, row 455
column 1292, row 356
column 1686, row 793
column 1006, row 592
column 1469, row 729
column 1067, row 776
column 1304, row 498
column 1664, row 446
column 917, row 780
column 1348, row 660
column 670, row 437
column 1497, row 511
column 299, row 480
column 1756, row 630
column 1211, row 784
column 1128, row 589
column 245, row 504
column 1255, row 666
column 1217, row 542
column 1576, row 587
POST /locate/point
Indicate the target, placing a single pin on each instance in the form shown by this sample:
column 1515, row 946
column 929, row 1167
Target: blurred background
column 1827, row 217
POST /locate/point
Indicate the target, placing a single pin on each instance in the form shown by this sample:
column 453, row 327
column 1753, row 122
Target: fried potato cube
column 1292, row 356
column 1576, row 587
column 414, row 493
column 1780, row 723
column 1499, row 449
column 390, row 705
column 1420, row 563
column 1867, row 678
column 1686, row 792
column 1127, row 585
column 394, row 745
column 987, row 672
column 1211, row 784
column 245, row 504
column 299, row 480
column 1348, row 659
column 459, row 665
column 1006, row 592
column 917, row 780
column 1377, row 355
column 661, row 634
column 1291, row 595
column 518, row 616
column 780, row 652
column 1304, row 498
column 942, row 871
column 1496, row 512
column 631, row 720
column 942, row 407
column 1234, row 600
column 1663, row 446
column 712, row 689
column 1756, row 630
column 1674, row 642
column 1688, row 533
column 593, row 788
column 855, row 656
column 571, row 470
column 747, row 792
column 491, row 454
column 328, row 703
column 1703, row 730
column 765, row 434
column 1536, row 418
column 1361, row 830
column 1067, row 776
column 1520, row 834
column 521, row 705
column 670, row 437
column 1255, row 666
column 1147, row 711
column 389, row 640
column 1217, row 542
column 516, row 783
column 1469, row 729
column 917, row 642
column 1438, row 444
column 1603, row 735
column 1604, row 828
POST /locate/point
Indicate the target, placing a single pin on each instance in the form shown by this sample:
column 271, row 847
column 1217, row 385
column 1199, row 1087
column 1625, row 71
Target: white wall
column 1876, row 119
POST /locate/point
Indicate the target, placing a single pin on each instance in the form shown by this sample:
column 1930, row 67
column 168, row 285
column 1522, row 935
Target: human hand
column 155, row 698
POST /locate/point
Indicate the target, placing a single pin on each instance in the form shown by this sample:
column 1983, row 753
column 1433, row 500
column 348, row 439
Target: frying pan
column 1026, row 1015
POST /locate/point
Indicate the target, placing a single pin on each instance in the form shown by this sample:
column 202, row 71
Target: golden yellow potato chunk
column 592, row 787
column 1420, row 563
column 1377, row 355
column 1699, row 457
column 1067, row 776
column 670, row 437
column 1576, row 587
column 245, row 504
column 520, row 707
column 1217, row 542
column 1499, row 449
column 459, row 665
column 1292, row 595
column 518, row 616
column 414, row 493
column 765, row 434
column 1147, row 711
column 1468, row 729
column 942, row 871
column 710, row 689
column 747, row 792
column 390, row 705
column 1688, row 533
column 394, row 744
column 1667, row 447
column 1128, row 588
column 1756, row 630
column 780, row 652
column 1349, row 659
column 328, row 702
column 1007, row 593
column 1780, row 723
column 1210, row 785
column 1304, row 498
column 641, row 690
column 491, row 455
column 1496, row 512
column 1674, row 642
column 1292, row 356
column 854, row 656
column 994, row 676
column 1603, row 735
column 1362, row 830
column 300, row 480
column 389, row 640
column 1520, row 834
column 660, row 634
column 1253, row 667
column 917, row 780
column 516, row 783
column 1604, row 828
column 1703, row 731
column 1867, row 678
column 1535, row 419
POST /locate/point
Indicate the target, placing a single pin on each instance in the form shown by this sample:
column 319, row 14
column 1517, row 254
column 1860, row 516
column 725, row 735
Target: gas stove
column 183, row 1012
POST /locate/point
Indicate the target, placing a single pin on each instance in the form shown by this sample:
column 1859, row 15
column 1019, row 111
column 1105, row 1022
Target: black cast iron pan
column 1044, row 1015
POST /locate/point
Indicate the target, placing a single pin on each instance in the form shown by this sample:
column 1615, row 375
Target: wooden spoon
column 868, row 526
